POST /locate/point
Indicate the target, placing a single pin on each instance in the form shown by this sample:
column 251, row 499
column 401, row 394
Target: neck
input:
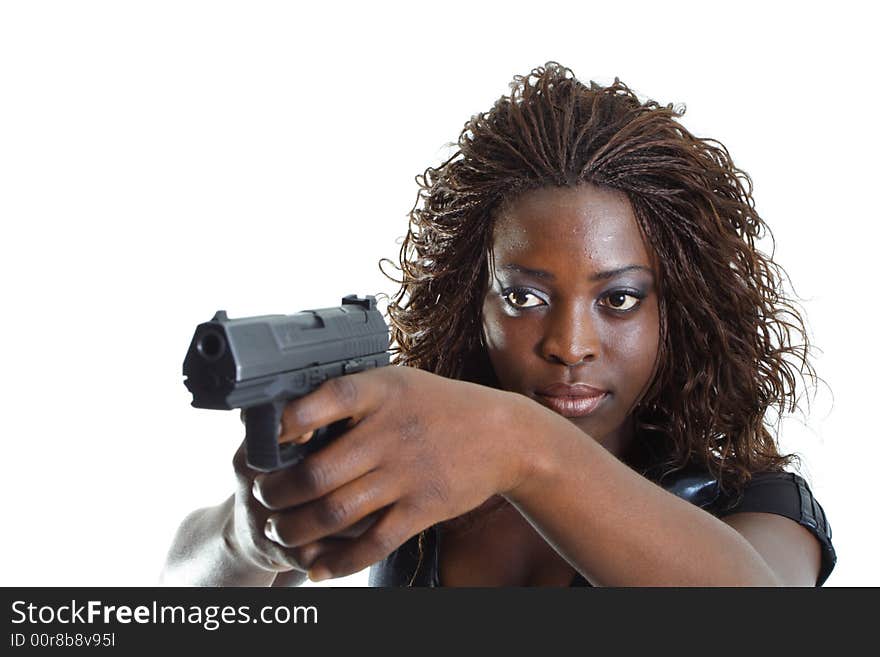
column 619, row 442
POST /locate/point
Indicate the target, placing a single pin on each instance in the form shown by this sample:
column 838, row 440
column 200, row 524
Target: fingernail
column 319, row 573
column 256, row 486
column 269, row 529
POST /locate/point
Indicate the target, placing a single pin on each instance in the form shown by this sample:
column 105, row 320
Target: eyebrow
column 602, row 275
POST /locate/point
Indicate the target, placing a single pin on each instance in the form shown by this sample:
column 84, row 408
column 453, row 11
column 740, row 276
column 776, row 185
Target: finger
column 349, row 396
column 299, row 440
column 333, row 513
column 389, row 533
column 306, row 437
column 358, row 528
column 306, row 555
column 343, row 460
column 248, row 527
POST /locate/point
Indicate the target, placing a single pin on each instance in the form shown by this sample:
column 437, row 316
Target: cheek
column 507, row 345
column 635, row 342
column 493, row 327
column 637, row 346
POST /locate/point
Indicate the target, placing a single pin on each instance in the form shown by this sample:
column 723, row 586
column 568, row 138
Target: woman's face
column 572, row 300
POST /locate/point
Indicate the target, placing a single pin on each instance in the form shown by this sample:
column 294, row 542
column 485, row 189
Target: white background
column 162, row 160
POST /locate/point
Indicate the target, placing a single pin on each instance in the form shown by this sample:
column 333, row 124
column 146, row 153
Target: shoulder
column 779, row 515
column 776, row 512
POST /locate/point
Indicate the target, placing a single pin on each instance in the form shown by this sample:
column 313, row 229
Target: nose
column 571, row 336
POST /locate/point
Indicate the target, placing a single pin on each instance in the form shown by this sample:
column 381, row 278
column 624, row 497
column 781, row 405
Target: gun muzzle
column 211, row 346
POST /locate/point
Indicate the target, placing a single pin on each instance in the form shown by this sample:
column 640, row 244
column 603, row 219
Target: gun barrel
column 261, row 363
column 230, row 355
column 211, row 345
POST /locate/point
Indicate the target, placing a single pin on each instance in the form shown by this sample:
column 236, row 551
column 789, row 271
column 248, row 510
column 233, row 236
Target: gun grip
column 265, row 453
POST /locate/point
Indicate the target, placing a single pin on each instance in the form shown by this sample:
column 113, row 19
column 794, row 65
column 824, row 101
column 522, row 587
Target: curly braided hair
column 738, row 341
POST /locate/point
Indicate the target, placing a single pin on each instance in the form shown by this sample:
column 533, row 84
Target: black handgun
column 258, row 364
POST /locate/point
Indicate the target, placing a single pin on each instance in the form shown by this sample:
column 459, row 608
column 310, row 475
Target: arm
column 619, row 529
column 205, row 552
column 226, row 545
column 413, row 463
column 790, row 550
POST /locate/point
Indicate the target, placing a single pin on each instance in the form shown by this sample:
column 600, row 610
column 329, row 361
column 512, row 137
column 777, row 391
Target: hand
column 421, row 449
column 246, row 532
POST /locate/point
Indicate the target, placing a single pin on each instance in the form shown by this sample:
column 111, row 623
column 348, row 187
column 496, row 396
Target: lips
column 571, row 400
column 571, row 390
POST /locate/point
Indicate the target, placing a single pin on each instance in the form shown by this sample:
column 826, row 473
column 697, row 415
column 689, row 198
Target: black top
column 782, row 493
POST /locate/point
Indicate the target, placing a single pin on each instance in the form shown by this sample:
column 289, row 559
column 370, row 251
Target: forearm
column 618, row 528
column 204, row 553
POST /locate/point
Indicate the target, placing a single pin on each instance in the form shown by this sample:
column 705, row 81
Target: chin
column 587, row 426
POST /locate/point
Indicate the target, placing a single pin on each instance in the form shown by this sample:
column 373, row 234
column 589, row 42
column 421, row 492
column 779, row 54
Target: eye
column 622, row 300
column 520, row 296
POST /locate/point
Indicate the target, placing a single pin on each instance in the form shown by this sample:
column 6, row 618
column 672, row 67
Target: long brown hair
column 738, row 341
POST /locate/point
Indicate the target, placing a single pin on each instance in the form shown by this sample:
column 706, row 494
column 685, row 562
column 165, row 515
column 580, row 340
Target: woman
column 591, row 341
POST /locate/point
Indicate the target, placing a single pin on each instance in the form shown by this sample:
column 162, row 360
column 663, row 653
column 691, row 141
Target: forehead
column 585, row 224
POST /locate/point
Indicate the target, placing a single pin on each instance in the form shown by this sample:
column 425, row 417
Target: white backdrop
column 162, row 160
